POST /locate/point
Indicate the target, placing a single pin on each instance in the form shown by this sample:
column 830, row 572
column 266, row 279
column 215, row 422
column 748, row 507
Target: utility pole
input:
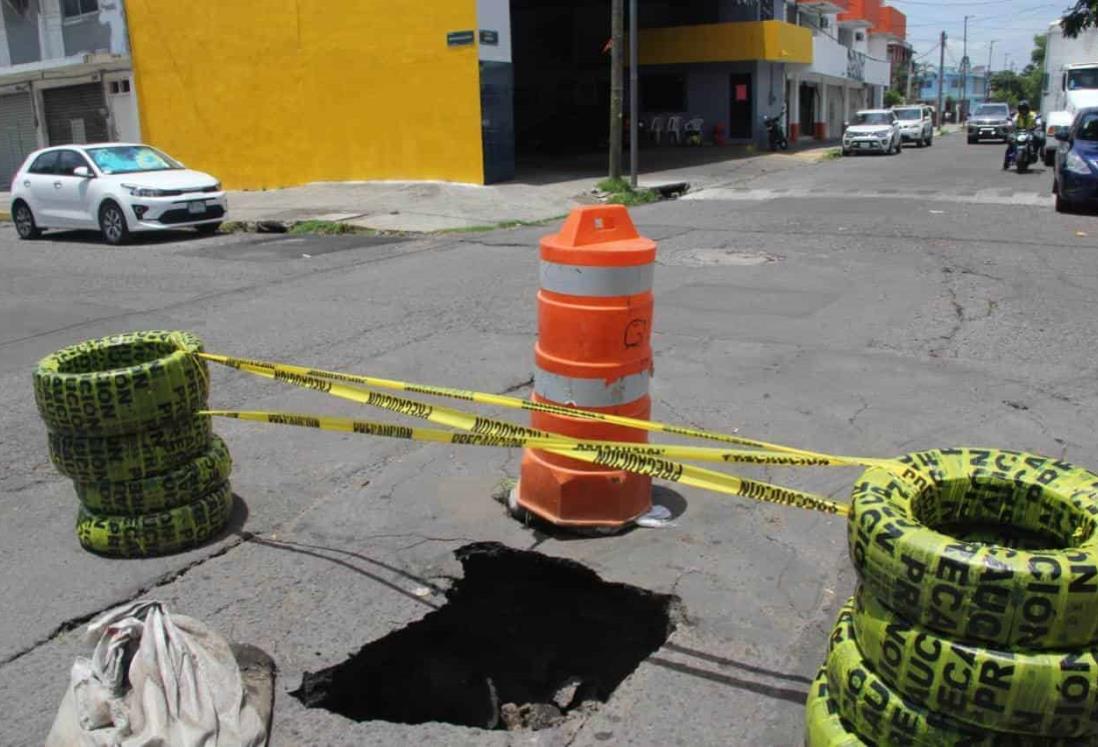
column 910, row 75
column 964, row 74
column 617, row 41
column 634, row 113
column 941, row 79
column 987, row 78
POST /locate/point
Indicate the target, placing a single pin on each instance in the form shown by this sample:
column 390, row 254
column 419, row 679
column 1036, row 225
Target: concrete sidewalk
column 541, row 194
column 543, row 191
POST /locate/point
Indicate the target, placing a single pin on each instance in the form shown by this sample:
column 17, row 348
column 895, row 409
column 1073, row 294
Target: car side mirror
column 845, row 125
column 1063, row 136
column 83, row 172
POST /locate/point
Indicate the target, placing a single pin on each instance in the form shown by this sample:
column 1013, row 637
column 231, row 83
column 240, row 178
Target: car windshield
column 992, row 111
column 1078, row 79
column 872, row 118
column 908, row 114
column 131, row 159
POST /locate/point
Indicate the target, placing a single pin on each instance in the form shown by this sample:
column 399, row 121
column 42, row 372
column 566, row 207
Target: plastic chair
column 693, row 130
column 674, row 129
column 659, row 122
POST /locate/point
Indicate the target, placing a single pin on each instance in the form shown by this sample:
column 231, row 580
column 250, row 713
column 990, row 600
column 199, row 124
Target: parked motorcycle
column 776, row 132
column 1024, row 151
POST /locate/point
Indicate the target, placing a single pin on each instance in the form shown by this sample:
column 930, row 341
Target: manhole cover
column 523, row 640
column 715, row 257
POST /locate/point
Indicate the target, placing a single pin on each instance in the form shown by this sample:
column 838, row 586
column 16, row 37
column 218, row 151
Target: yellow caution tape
column 655, row 460
column 612, row 455
column 284, row 371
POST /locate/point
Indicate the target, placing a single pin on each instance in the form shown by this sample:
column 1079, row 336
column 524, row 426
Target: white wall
column 495, row 15
column 878, row 72
column 124, row 123
column 828, row 56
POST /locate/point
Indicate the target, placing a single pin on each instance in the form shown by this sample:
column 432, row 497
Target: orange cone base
column 587, row 497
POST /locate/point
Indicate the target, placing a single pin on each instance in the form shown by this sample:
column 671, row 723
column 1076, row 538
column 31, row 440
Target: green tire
column 93, row 459
column 972, row 591
column 882, row 716
column 121, row 384
column 1044, row 693
column 823, row 726
column 159, row 533
column 185, row 484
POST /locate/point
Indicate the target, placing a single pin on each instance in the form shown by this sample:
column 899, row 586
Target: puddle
column 523, row 640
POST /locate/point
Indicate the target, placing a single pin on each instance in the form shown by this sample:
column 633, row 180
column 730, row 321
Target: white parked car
column 916, row 124
column 118, row 188
column 872, row 131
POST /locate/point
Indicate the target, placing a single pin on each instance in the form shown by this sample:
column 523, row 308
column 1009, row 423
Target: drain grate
column 523, row 640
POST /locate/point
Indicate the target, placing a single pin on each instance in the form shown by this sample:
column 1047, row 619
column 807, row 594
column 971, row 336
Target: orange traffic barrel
column 593, row 352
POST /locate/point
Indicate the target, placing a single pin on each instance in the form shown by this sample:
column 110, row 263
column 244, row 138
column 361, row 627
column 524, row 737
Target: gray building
column 65, row 77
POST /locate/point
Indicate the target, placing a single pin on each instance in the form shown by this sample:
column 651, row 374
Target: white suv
column 872, row 131
column 118, row 188
column 916, row 124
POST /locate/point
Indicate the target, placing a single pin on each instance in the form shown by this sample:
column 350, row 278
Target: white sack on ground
column 156, row 680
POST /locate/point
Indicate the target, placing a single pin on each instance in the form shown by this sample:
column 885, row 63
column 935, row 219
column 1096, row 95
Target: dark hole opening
column 523, row 640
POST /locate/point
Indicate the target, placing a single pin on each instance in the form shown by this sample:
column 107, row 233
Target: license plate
column 986, row 132
column 865, row 145
column 196, row 207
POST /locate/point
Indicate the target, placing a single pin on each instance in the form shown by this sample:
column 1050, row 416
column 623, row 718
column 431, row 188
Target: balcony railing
column 826, row 6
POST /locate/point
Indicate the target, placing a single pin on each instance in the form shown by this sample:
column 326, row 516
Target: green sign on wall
column 460, row 38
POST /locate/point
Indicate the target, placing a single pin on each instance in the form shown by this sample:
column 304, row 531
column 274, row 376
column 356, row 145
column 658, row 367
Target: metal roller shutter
column 17, row 135
column 76, row 114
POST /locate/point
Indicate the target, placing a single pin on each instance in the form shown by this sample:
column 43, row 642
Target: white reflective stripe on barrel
column 565, row 390
column 579, row 280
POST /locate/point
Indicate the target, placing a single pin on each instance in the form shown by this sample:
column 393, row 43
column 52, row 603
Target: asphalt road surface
column 871, row 305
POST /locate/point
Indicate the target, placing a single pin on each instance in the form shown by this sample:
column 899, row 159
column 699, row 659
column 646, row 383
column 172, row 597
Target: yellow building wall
column 741, row 41
column 284, row 92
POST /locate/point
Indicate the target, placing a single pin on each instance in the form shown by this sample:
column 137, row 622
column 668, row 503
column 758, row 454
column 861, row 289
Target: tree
column 1037, row 56
column 1082, row 16
column 1010, row 87
column 893, row 98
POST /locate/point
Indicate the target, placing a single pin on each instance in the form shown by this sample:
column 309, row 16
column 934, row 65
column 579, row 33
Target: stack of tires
column 976, row 621
column 151, row 476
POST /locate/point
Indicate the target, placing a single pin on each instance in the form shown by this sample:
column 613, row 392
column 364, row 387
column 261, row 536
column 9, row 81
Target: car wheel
column 972, row 141
column 24, row 221
column 208, row 229
column 112, row 222
column 846, row 152
column 1062, row 205
column 1050, row 158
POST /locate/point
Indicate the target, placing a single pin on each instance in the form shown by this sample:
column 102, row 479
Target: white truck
column 1070, row 81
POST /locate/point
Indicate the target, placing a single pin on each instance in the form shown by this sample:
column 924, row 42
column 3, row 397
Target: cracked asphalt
column 865, row 306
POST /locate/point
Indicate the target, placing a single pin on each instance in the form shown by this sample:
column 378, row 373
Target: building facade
column 463, row 90
column 724, row 64
column 850, row 69
column 65, row 77
column 975, row 87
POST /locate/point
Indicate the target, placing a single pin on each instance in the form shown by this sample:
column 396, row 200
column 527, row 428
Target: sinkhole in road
column 522, row 640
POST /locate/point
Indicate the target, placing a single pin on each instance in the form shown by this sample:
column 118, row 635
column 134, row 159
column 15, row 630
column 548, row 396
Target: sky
column 1011, row 23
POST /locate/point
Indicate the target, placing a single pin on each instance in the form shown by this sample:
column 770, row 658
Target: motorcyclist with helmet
column 1024, row 120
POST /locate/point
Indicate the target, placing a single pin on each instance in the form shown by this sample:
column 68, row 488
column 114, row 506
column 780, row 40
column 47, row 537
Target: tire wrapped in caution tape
column 121, row 384
column 1043, row 693
column 880, row 715
column 823, row 726
column 1045, row 599
column 134, row 456
column 182, row 485
column 159, row 533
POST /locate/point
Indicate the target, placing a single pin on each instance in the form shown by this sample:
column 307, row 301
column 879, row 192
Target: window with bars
column 75, row 8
